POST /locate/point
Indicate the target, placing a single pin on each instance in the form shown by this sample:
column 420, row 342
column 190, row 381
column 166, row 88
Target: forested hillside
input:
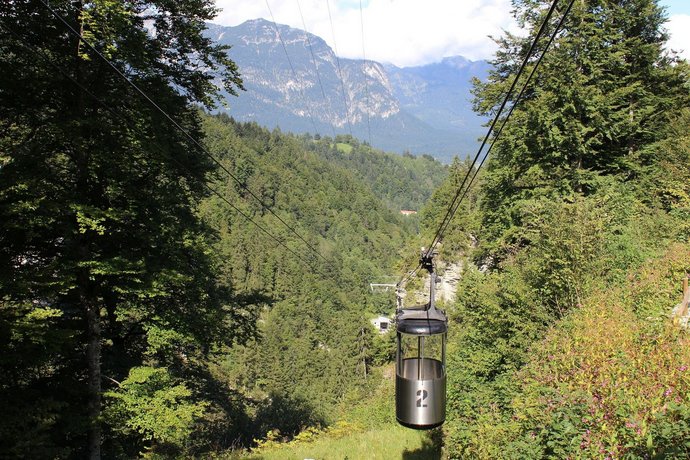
column 562, row 346
column 160, row 296
column 401, row 182
column 315, row 347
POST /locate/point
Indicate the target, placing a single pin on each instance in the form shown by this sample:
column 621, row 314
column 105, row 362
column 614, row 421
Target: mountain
column 417, row 109
column 439, row 93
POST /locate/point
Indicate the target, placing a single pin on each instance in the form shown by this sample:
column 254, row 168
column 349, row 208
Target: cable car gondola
column 420, row 368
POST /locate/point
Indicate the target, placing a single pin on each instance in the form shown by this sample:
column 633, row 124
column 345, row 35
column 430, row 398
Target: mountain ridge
column 423, row 110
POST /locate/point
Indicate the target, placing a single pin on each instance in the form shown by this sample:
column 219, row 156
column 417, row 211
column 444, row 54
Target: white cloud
column 679, row 28
column 403, row 32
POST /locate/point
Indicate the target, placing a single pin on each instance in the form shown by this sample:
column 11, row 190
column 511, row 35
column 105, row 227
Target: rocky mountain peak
column 396, row 109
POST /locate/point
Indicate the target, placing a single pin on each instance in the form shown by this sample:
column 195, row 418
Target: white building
column 382, row 324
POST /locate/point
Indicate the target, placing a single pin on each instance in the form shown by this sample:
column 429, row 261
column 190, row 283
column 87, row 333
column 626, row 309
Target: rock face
column 447, row 286
column 417, row 109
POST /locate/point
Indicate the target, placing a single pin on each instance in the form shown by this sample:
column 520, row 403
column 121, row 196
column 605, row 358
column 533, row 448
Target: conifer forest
column 175, row 283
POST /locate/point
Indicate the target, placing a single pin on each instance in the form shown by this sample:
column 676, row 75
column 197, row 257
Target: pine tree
column 604, row 90
column 563, row 205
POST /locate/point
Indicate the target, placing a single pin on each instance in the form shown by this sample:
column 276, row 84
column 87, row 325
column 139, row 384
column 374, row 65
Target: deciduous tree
column 103, row 260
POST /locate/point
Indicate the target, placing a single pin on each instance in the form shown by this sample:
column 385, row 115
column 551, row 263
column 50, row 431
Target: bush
column 606, row 382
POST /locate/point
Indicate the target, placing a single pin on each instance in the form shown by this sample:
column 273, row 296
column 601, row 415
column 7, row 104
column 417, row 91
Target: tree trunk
column 93, row 358
column 88, row 300
column 87, row 296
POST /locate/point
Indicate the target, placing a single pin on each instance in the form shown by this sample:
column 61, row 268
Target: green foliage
column 465, row 223
column 116, row 264
column 576, row 248
column 31, row 337
column 603, row 94
column 401, row 182
column 348, row 441
column 344, row 148
column 587, row 241
column 605, row 382
column 316, row 348
column 383, row 348
column 667, row 174
column 372, row 407
column 104, row 264
column 309, row 435
column 609, row 379
column 585, row 185
column 498, row 317
column 150, row 403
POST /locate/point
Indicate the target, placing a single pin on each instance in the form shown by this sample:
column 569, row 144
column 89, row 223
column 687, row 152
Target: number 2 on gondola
column 423, row 394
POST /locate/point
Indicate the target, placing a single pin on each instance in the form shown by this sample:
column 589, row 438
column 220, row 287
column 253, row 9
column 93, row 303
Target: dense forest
column 562, row 346
column 163, row 297
column 176, row 284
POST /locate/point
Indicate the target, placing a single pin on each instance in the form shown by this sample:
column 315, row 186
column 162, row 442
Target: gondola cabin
column 420, row 380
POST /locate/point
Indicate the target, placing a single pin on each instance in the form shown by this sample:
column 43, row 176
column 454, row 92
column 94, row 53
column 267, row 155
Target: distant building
column 407, row 212
column 382, row 324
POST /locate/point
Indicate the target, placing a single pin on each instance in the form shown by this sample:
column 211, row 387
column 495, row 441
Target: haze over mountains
column 424, row 109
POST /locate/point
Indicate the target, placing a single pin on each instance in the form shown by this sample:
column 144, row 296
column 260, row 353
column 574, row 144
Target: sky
column 411, row 32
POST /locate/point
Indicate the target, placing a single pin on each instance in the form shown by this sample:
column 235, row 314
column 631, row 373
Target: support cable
column 449, row 212
column 510, row 112
column 316, row 67
column 364, row 70
column 201, row 148
column 109, row 108
column 292, row 68
column 457, row 199
column 340, row 72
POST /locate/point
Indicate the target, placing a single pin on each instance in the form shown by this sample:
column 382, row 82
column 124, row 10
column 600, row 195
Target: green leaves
column 610, row 378
column 601, row 94
column 90, row 218
column 570, row 204
column 101, row 247
column 315, row 350
column 150, row 402
column 101, row 22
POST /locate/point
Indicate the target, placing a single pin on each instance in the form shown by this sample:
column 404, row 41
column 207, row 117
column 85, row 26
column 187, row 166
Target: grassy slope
column 382, row 443
column 367, row 430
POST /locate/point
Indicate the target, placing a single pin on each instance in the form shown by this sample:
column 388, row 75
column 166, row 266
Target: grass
column 344, row 148
column 388, row 442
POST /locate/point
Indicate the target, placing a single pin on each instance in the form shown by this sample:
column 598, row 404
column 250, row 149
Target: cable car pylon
column 420, row 365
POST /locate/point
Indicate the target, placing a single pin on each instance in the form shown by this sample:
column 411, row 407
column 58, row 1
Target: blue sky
column 411, row 32
column 677, row 6
column 678, row 25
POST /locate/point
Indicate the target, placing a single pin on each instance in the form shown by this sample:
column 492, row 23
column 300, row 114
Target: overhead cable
column 316, row 67
column 364, row 71
column 459, row 195
column 41, row 54
column 340, row 72
column 292, row 68
column 449, row 213
column 201, row 148
column 517, row 99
